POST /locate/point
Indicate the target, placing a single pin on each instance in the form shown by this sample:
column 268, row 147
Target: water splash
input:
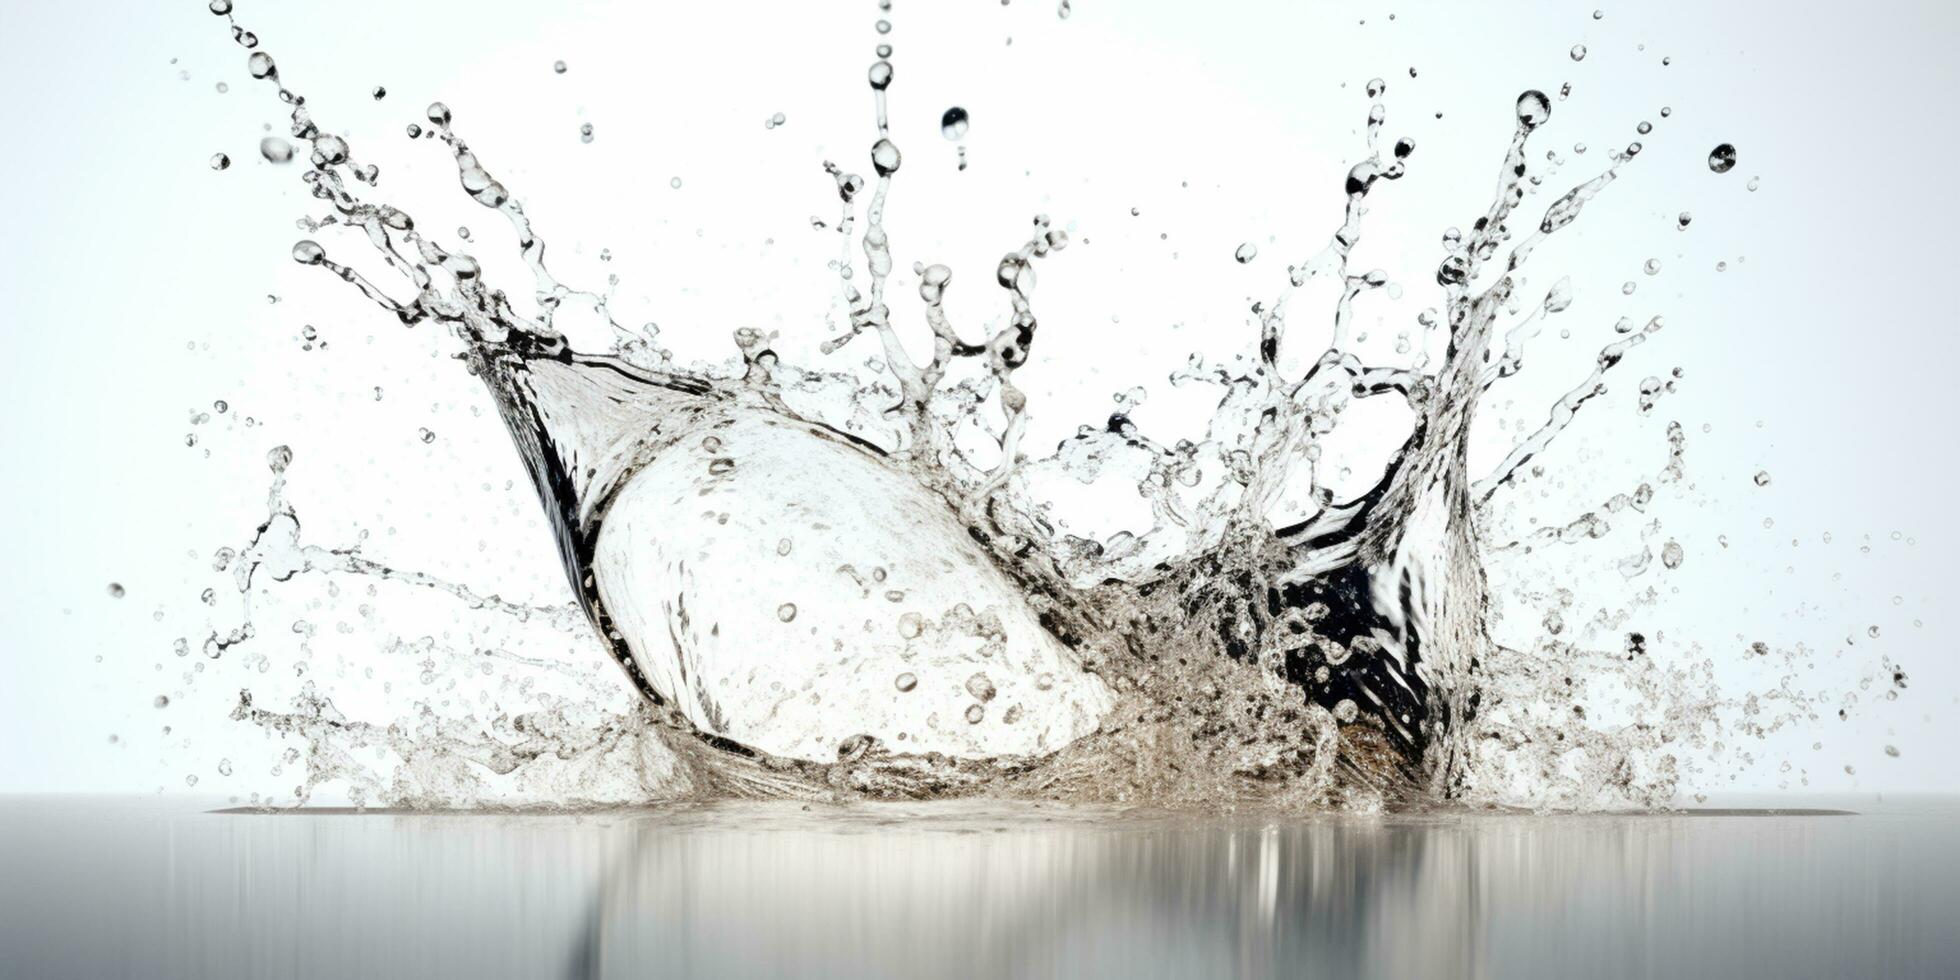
column 817, row 586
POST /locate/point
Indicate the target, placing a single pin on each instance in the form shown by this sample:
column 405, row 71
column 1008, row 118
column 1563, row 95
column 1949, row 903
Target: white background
column 136, row 281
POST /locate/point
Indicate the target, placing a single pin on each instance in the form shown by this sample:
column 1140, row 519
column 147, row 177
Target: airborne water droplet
column 1533, row 109
column 885, row 157
column 1722, row 158
column 1246, row 253
column 275, row 150
column 558, row 67
column 1578, row 52
column 952, row 124
column 906, row 681
column 220, row 161
column 786, row 612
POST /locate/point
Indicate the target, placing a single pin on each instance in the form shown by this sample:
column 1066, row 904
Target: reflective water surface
column 101, row 887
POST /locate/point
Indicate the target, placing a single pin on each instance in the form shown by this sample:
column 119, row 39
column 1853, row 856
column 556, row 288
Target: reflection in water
column 973, row 889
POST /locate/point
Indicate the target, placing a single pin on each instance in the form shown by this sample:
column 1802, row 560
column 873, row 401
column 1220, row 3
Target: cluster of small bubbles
column 1722, row 158
column 1246, row 252
column 425, row 435
column 1578, row 52
column 786, row 612
column 953, row 123
column 116, row 590
column 906, row 681
column 774, row 121
column 585, row 133
column 220, row 161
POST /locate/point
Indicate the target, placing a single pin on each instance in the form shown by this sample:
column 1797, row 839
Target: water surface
column 103, row 888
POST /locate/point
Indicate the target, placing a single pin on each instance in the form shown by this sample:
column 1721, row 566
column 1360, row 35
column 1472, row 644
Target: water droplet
column 1892, row 750
column 585, row 133
column 675, row 183
column 980, row 687
column 224, row 767
column 1762, row 478
column 116, row 590
column 220, row 161
column 880, row 75
column 1652, row 267
column 308, row 252
column 1685, row 218
column 1754, row 182
column 1672, row 555
column 1578, row 52
column 161, row 701
column 1644, row 128
column 774, row 121
column 221, row 7
column 1376, row 87
column 1044, row 682
column 1246, row 253
column 1722, row 158
column 974, row 714
column 425, row 435
column 558, row 67
column 786, row 612
column 260, row 65
column 275, row 150
column 885, row 157
column 910, row 625
column 1872, row 632
column 380, row 93
column 1533, row 109
column 953, row 123
column 906, row 681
